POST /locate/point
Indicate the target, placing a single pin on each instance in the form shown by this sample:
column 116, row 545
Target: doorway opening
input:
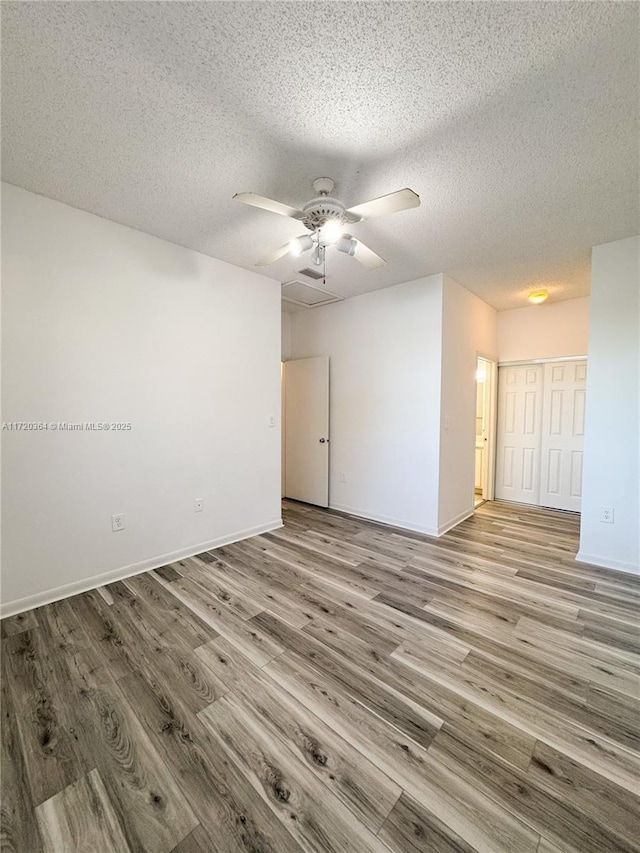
column 485, row 430
column 306, row 430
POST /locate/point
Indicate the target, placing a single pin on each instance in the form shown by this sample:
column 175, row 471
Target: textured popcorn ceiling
column 517, row 124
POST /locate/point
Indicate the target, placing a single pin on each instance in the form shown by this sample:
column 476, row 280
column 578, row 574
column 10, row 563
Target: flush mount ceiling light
column 325, row 217
column 538, row 296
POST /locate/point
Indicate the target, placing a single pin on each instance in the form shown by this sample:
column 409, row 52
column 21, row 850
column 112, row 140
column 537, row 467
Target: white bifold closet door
column 565, row 386
column 541, row 433
column 519, row 430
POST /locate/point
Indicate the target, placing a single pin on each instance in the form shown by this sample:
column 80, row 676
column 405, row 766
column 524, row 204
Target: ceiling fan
column 326, row 218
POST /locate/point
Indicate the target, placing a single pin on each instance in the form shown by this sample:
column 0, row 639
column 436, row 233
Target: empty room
column 320, row 427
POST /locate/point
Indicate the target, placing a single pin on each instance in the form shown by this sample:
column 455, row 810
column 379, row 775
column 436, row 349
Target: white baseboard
column 385, row 519
column 606, row 563
column 454, row 522
column 406, row 525
column 19, row 605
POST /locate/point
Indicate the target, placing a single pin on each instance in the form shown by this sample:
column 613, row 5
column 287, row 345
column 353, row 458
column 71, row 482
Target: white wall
column 549, row 330
column 385, row 351
column 104, row 323
column 611, row 453
column 286, row 322
column 286, row 335
column 468, row 330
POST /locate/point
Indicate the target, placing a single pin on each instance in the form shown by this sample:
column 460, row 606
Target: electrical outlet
column 343, row 477
column 606, row 514
column 198, row 504
column 117, row 522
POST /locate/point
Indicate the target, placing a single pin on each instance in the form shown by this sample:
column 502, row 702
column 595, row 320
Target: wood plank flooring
column 335, row 685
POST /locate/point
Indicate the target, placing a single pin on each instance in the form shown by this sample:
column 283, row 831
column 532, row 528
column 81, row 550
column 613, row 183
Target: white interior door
column 519, row 433
column 479, row 479
column 484, row 385
column 563, row 434
column 306, row 406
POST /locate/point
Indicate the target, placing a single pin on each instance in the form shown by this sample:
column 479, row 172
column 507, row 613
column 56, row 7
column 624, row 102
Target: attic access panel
column 307, row 295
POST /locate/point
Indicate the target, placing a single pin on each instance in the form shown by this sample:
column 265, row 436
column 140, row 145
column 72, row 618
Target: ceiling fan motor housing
column 322, row 209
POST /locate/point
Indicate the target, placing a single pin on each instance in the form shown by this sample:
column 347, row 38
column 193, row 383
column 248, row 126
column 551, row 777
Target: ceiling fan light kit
column 300, row 244
column 347, row 244
column 331, row 231
column 325, row 217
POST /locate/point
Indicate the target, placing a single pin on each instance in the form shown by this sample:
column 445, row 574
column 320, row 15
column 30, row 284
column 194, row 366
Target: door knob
column 323, row 440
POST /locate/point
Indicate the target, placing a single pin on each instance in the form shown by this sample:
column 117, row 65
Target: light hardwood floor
column 335, row 685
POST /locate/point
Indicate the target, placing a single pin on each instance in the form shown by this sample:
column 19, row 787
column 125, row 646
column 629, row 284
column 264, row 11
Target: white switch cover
column 117, row 522
column 272, row 421
column 199, row 504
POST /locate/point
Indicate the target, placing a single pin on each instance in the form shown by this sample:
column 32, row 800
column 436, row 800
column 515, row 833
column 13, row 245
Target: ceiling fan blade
column 269, row 204
column 274, row 256
column 368, row 257
column 391, row 203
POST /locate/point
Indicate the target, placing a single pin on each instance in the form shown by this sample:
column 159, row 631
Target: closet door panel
column 563, row 434
column 519, row 433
